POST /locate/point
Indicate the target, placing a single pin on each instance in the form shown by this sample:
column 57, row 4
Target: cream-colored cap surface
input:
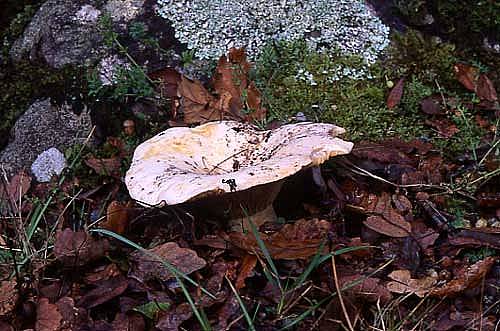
column 182, row 163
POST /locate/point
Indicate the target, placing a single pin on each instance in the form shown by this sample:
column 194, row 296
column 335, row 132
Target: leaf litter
column 385, row 209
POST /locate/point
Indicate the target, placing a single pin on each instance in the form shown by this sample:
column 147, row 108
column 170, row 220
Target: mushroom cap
column 185, row 164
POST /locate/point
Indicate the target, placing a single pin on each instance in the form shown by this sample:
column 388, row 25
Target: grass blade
column 242, row 305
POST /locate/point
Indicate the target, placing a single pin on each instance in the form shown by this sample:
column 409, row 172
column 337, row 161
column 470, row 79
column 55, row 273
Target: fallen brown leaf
column 485, row 89
column 299, row 240
column 396, row 227
column 8, row 296
column 48, row 317
column 432, row 105
column 117, row 216
column 403, row 283
column 468, row 277
column 169, row 80
column 369, row 289
column 147, row 267
column 129, row 322
column 73, row 318
column 75, row 249
column 467, row 75
column 196, row 101
column 247, row 265
column 172, row 319
column 478, row 237
column 396, row 93
column 105, row 291
column 385, row 219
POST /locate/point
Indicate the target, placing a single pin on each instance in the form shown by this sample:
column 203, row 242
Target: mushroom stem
column 243, row 223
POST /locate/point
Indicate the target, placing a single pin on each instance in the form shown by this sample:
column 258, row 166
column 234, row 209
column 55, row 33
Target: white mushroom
column 228, row 165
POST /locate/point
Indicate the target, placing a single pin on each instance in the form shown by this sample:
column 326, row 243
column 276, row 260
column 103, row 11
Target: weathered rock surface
column 49, row 163
column 67, row 31
column 41, row 127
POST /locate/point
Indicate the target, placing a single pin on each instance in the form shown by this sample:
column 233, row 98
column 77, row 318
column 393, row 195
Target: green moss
column 332, row 89
column 427, row 59
column 295, row 79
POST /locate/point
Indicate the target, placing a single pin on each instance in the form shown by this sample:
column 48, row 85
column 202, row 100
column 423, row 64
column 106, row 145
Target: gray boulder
column 40, row 128
column 67, row 32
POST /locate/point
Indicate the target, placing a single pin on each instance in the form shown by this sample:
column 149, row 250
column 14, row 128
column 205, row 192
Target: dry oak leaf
column 467, row 75
column 149, row 265
column 196, row 102
column 299, row 240
column 117, row 216
column 8, row 296
column 403, row 283
column 105, row 291
column 234, row 89
column 467, row 278
column 169, row 81
column 369, row 288
column 385, row 219
column 75, row 249
column 396, row 93
column 48, row 317
column 485, row 89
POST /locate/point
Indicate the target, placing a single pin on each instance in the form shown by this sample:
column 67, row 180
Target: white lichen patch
column 211, row 27
column 47, row 164
column 87, row 14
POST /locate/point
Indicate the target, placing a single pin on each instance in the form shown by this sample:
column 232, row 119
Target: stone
column 49, row 163
column 59, row 35
column 41, row 127
column 66, row 32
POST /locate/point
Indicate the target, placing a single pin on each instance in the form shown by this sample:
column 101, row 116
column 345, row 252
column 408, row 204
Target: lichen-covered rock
column 68, row 32
column 49, row 163
column 41, row 127
column 61, row 32
column 211, row 27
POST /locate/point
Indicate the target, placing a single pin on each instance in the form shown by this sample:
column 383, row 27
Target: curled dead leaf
column 117, row 216
column 396, row 93
column 467, row 75
column 468, row 277
column 485, row 89
column 76, row 248
column 403, row 283
column 385, row 219
column 299, row 240
column 196, row 101
column 148, row 266
column 48, row 317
